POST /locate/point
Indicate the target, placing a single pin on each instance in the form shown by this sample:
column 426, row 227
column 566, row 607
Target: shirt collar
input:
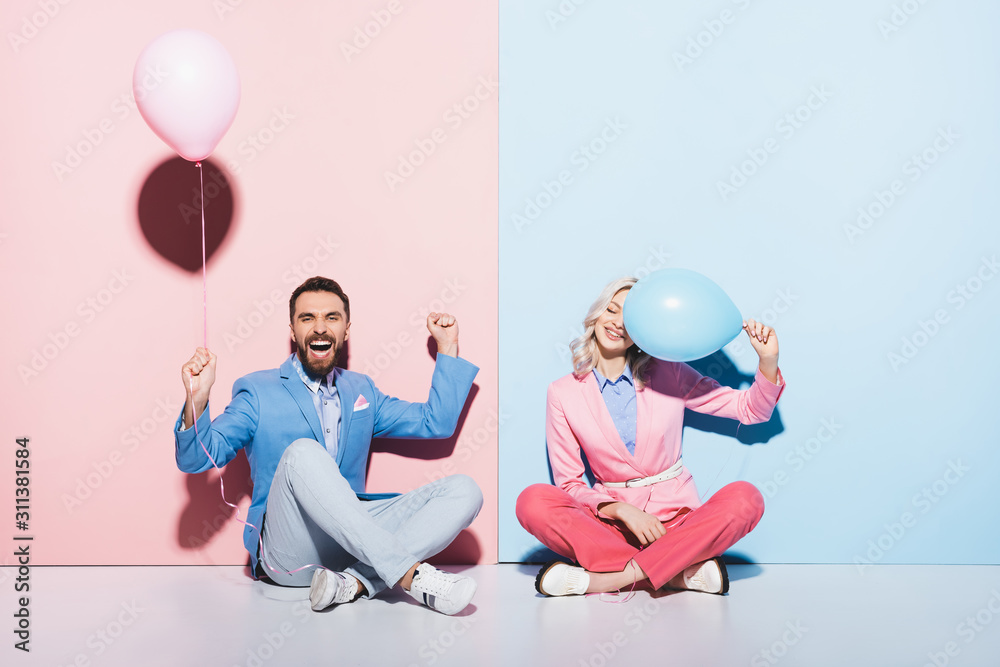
column 310, row 383
column 603, row 381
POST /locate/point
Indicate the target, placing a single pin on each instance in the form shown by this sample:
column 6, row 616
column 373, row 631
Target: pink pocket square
column 360, row 404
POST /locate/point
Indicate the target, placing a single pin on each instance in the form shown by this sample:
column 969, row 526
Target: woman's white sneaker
column 708, row 576
column 557, row 578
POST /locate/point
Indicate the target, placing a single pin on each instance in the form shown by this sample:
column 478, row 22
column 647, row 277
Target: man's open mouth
column 320, row 348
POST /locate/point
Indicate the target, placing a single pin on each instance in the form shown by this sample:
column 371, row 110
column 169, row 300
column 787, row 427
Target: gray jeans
column 315, row 518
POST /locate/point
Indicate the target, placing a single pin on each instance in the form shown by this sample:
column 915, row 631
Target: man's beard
column 317, row 369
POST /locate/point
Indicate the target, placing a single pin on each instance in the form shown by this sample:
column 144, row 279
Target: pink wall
column 310, row 198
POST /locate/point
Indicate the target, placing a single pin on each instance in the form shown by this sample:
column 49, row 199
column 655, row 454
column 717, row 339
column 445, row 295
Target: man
column 307, row 427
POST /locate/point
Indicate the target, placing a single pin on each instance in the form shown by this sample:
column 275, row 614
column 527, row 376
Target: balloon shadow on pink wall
column 169, row 209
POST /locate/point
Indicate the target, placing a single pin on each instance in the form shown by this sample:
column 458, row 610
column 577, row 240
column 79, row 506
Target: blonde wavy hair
column 584, row 348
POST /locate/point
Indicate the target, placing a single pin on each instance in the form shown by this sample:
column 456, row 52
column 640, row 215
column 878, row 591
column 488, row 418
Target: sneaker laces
column 430, row 580
column 348, row 588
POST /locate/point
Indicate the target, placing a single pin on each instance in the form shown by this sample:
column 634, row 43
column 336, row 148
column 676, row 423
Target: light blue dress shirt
column 327, row 401
column 619, row 397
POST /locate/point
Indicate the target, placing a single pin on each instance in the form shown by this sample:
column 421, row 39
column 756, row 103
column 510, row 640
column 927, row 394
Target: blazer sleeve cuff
column 593, row 498
column 771, row 390
column 187, row 452
column 456, row 364
column 204, row 422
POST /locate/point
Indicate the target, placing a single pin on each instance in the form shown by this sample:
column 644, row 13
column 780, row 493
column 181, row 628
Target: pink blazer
column 577, row 418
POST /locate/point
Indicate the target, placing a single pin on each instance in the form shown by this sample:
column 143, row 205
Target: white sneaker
column 557, row 578
column 709, row 576
column 329, row 588
column 442, row 591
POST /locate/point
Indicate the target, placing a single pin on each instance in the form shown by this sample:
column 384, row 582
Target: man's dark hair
column 319, row 284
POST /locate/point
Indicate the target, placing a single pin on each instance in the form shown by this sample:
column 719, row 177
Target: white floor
column 774, row 614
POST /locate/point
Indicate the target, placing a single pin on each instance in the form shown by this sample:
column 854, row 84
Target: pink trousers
column 565, row 526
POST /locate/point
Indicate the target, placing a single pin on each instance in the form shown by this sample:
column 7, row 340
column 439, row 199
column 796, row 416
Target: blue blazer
column 271, row 409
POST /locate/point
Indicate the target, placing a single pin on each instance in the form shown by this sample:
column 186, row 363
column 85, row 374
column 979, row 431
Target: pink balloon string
column 222, row 484
column 204, row 265
column 194, row 418
column 616, row 594
column 204, row 304
column 711, row 487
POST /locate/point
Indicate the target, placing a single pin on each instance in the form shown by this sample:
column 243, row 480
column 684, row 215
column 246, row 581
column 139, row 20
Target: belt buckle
column 628, row 482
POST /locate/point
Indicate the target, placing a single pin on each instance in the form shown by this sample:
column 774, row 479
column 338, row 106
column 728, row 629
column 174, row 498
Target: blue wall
column 834, row 167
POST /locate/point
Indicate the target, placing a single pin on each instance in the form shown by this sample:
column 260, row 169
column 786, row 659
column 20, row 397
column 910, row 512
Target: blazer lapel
column 347, row 397
column 293, row 383
column 599, row 411
column 643, row 424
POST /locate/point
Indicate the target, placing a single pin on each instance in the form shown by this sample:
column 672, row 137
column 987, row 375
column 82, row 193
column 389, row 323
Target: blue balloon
column 680, row 315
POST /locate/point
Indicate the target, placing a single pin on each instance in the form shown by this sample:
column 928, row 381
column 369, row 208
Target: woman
column 642, row 519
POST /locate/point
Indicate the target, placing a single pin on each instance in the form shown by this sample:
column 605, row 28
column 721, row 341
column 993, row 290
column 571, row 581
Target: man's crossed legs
column 366, row 546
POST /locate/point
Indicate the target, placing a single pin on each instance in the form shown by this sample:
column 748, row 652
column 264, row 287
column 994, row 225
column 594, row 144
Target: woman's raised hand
column 765, row 344
column 762, row 337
